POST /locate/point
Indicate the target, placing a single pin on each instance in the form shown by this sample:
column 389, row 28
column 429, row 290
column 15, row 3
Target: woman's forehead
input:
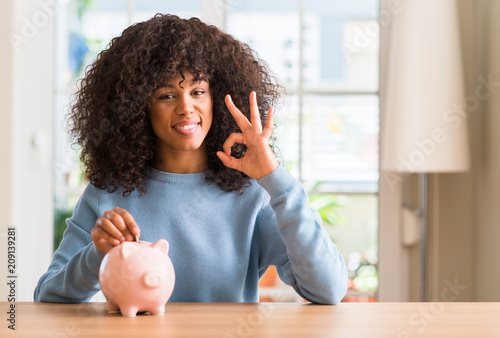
column 183, row 78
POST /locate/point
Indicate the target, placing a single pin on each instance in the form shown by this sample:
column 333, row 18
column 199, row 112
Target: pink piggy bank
column 137, row 276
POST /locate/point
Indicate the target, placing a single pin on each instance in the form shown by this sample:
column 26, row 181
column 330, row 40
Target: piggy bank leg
column 112, row 307
column 129, row 311
column 158, row 310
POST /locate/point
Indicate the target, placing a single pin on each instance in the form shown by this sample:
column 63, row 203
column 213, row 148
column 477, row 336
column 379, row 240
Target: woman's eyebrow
column 198, row 81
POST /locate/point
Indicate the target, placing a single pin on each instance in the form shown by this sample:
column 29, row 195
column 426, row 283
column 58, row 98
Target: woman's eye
column 165, row 97
column 198, row 92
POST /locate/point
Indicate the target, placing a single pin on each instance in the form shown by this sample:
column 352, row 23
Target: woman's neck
column 182, row 162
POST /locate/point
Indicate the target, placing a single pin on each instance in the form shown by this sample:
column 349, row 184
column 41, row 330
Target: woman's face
column 181, row 115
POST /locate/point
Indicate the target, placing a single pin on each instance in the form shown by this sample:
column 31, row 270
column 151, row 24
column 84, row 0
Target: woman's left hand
column 259, row 159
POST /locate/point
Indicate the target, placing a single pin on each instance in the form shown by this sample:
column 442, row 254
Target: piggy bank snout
column 152, row 279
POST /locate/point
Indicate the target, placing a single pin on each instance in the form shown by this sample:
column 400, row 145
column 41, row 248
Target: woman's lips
column 186, row 128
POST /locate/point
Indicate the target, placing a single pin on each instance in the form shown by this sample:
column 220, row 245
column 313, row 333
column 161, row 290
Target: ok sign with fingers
column 259, row 159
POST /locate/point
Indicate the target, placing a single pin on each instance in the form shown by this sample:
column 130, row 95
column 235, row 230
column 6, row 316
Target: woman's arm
column 293, row 239
column 292, row 235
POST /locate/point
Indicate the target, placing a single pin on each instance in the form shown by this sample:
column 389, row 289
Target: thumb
column 228, row 161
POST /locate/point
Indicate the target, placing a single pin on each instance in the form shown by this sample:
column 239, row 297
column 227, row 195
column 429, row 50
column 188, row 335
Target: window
column 326, row 55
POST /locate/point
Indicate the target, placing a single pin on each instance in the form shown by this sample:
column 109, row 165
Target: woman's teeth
column 186, row 127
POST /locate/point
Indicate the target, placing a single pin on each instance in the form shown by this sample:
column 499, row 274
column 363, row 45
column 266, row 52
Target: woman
column 175, row 120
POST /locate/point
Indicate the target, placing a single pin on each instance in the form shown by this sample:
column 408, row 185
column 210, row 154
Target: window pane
column 146, row 9
column 340, row 142
column 286, row 133
column 272, row 29
column 341, row 45
column 83, row 29
column 102, row 21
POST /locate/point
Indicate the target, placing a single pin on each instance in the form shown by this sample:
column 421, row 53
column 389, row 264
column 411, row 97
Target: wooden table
column 230, row 320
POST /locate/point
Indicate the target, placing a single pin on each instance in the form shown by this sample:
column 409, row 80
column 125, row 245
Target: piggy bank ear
column 127, row 249
column 161, row 245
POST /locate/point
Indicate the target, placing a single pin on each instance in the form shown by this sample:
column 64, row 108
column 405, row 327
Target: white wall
column 393, row 267
column 25, row 136
column 464, row 224
column 6, row 151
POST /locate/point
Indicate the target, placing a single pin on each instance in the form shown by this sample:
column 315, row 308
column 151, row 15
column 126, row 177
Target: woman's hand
column 112, row 228
column 259, row 159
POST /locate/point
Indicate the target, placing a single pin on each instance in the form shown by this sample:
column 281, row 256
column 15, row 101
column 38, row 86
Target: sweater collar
column 176, row 178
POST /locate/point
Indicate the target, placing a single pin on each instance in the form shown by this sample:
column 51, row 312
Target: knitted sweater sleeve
column 293, row 239
column 73, row 275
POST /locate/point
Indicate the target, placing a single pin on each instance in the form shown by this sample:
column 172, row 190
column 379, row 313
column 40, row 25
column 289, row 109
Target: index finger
column 129, row 221
column 240, row 119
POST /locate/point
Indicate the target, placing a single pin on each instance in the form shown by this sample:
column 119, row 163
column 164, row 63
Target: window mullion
column 130, row 11
column 301, row 87
column 214, row 12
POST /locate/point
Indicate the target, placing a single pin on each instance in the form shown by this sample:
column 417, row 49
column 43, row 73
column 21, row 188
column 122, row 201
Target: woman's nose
column 186, row 106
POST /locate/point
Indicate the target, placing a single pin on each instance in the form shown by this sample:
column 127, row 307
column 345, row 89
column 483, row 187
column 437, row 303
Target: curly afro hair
column 109, row 117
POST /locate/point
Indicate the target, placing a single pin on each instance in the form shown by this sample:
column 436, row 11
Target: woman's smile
column 186, row 128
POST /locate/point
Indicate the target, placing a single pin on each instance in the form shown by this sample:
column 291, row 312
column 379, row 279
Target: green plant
column 327, row 205
column 82, row 6
column 60, row 225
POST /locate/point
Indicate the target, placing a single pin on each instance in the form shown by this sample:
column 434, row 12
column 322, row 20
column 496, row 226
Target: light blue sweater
column 220, row 243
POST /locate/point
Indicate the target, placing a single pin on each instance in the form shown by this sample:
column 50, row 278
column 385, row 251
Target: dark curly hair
column 109, row 117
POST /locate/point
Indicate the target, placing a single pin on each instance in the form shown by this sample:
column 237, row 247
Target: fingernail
column 122, row 239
